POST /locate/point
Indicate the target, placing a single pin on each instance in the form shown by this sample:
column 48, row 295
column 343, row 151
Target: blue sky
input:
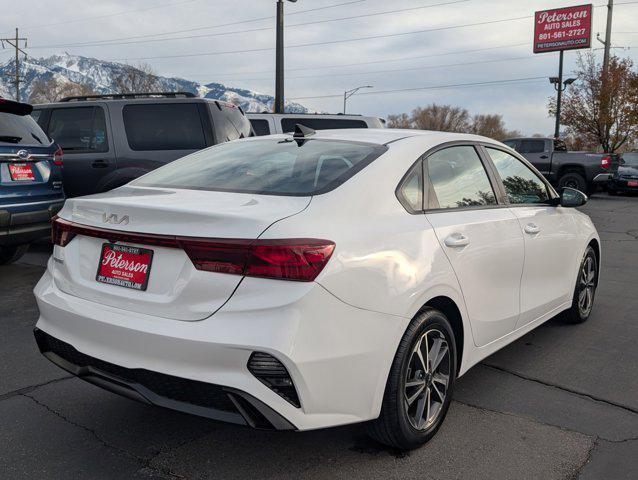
column 318, row 74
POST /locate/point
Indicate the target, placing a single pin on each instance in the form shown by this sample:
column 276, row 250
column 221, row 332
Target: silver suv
column 272, row 123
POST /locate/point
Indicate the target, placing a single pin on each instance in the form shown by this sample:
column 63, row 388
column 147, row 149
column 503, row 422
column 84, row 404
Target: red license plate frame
column 632, row 183
column 124, row 266
column 21, row 172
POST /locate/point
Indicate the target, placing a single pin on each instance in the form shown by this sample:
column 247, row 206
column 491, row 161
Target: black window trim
column 553, row 195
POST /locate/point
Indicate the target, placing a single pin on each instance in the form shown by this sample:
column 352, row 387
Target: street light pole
column 348, row 93
column 278, row 106
column 560, row 86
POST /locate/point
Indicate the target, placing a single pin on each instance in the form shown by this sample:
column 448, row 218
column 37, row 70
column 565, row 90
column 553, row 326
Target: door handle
column 532, row 229
column 457, row 240
column 100, row 164
column 544, row 157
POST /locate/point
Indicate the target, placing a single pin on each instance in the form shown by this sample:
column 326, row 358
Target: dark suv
column 30, row 180
column 110, row 140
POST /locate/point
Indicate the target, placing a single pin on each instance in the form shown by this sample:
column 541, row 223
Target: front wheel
column 585, row 291
column 420, row 384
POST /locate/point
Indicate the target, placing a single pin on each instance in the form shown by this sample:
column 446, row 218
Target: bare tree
column 443, row 118
column 52, row 90
column 492, row 126
column 401, row 120
column 602, row 113
column 137, row 79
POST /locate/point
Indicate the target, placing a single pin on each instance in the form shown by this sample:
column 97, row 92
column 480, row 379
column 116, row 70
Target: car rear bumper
column 621, row 184
column 337, row 356
column 20, row 226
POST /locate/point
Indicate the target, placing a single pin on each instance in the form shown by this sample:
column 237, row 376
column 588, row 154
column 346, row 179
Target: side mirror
column 571, row 198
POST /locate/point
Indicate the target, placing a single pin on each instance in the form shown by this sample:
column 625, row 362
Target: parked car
column 110, row 140
column 30, row 180
column 584, row 171
column 626, row 179
column 303, row 281
column 272, row 123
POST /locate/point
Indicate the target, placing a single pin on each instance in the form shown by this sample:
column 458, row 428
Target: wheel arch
column 595, row 244
column 450, row 309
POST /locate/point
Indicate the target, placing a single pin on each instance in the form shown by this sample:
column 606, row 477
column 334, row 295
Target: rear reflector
column 299, row 259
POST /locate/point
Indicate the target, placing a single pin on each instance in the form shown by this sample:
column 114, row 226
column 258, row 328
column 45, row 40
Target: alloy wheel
column 427, row 378
column 586, row 285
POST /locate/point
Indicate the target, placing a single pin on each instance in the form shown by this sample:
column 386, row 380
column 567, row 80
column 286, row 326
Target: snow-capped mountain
column 100, row 77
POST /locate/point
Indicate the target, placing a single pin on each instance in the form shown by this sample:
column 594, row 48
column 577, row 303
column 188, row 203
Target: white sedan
column 317, row 279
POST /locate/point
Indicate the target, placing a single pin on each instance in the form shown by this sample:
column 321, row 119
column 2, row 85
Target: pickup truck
column 583, row 171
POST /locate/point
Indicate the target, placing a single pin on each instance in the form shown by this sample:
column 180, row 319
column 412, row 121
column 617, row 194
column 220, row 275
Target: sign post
column 562, row 29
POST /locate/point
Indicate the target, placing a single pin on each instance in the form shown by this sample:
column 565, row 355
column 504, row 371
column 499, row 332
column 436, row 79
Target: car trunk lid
column 175, row 289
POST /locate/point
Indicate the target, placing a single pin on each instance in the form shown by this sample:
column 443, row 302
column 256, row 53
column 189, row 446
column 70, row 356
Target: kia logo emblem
column 114, row 219
column 22, row 154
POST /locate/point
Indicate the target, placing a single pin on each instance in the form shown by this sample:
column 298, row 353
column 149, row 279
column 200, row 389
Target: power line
column 395, row 70
column 331, row 42
column 164, row 5
column 252, row 20
column 371, row 62
column 431, row 87
column 106, row 43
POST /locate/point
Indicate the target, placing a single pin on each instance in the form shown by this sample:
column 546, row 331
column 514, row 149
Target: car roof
column 384, row 136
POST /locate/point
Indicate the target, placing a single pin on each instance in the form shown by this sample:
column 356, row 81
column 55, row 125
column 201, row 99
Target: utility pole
column 15, row 43
column 278, row 105
column 610, row 10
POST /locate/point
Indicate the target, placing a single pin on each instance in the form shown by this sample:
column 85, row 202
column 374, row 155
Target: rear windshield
column 268, row 166
column 21, row 130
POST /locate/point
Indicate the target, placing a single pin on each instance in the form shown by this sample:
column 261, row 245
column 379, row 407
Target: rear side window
column 458, row 179
column 20, row 130
column 532, row 146
column 260, row 126
column 288, row 123
column 267, row 166
column 79, row 129
column 410, row 192
column 168, row 126
column 522, row 185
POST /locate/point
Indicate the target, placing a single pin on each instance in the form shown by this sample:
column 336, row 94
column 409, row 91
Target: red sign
column 566, row 28
column 124, row 266
column 21, row 172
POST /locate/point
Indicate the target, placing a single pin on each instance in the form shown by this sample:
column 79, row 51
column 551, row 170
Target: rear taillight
column 61, row 232
column 287, row 259
column 605, row 162
column 299, row 259
column 57, row 157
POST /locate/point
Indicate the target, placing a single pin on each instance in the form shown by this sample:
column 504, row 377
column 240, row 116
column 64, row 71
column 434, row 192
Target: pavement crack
column 564, row 389
column 30, row 388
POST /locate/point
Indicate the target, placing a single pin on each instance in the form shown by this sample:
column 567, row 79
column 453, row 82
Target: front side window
column 458, row 179
column 79, row 129
column 164, row 126
column 522, row 185
column 267, row 166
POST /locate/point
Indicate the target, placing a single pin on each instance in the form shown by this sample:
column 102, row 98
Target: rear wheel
column 419, row 387
column 11, row 254
column 573, row 180
column 585, row 291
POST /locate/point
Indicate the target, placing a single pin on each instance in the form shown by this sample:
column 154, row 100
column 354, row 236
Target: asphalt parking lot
column 560, row 403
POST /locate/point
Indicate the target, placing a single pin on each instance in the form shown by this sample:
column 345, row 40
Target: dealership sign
column 562, row 29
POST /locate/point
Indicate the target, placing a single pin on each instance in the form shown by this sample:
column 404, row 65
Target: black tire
column 395, row 426
column 573, row 180
column 578, row 313
column 11, row 254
